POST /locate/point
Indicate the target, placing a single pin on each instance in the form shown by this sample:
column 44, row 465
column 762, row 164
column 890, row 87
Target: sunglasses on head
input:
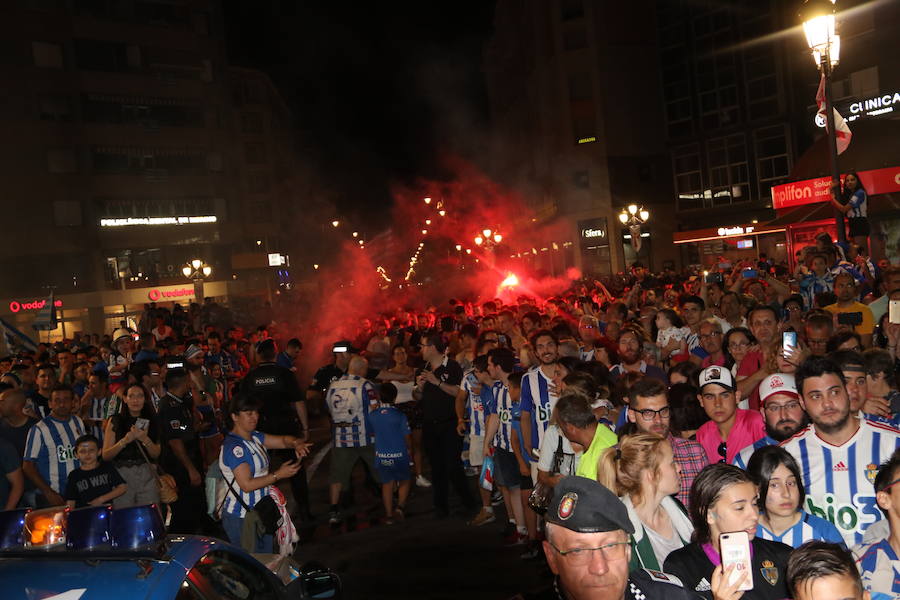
column 723, row 451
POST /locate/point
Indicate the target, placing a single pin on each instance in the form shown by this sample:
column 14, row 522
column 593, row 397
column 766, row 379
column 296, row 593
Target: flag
column 844, row 134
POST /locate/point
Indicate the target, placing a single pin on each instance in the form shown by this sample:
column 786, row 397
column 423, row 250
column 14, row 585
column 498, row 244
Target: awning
column 802, row 214
column 721, row 233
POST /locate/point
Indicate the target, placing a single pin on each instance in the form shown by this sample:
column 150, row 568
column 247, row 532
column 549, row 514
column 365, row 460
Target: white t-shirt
column 549, row 445
column 404, row 391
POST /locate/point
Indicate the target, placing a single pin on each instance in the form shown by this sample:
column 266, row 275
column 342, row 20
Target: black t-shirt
column 83, row 486
column 176, row 422
column 17, row 436
column 122, row 424
column 437, row 405
column 277, row 388
column 693, row 567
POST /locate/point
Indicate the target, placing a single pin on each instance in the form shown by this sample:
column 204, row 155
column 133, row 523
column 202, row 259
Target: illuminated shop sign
column 158, row 294
column 16, row 306
column 130, row 221
column 867, row 107
column 723, row 231
column 593, row 233
column 587, row 140
column 809, row 191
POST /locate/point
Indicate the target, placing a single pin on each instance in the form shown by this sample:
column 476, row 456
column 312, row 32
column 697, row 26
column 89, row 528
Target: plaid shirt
column 691, row 457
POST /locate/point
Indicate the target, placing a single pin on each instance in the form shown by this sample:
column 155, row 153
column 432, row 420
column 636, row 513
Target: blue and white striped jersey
column 838, row 479
column 502, row 407
column 51, row 446
column 743, row 457
column 474, row 405
column 350, row 399
column 537, row 400
column 857, row 204
column 235, row 451
column 880, row 569
column 809, row 527
column 103, row 408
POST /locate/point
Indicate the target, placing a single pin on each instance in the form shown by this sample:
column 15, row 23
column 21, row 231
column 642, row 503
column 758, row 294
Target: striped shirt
column 537, row 400
column 51, row 447
column 350, row 399
column 236, row 451
column 502, row 407
column 880, row 569
column 102, row 409
column 857, row 205
column 691, row 457
column 474, row 405
column 838, row 479
column 743, row 457
column 809, row 527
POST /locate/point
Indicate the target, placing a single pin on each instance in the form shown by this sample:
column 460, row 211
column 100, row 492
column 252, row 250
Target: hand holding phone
column 894, row 311
column 142, row 423
column 734, row 548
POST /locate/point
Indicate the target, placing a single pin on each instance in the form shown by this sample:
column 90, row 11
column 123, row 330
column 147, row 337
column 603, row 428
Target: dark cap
column 585, row 506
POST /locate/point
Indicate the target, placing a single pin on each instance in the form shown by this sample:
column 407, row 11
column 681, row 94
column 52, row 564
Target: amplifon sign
column 158, row 294
column 810, row 191
column 131, row 221
column 16, row 306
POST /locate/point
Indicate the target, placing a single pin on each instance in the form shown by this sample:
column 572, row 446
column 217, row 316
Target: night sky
column 380, row 90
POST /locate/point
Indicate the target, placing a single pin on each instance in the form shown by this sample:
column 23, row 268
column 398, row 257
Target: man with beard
column 649, row 411
column 838, row 454
column 780, row 407
column 764, row 325
column 539, row 395
column 630, row 358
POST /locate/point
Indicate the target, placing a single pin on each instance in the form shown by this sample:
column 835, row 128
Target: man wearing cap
column 588, row 549
column 838, row 453
column 282, row 412
column 780, row 407
column 730, row 428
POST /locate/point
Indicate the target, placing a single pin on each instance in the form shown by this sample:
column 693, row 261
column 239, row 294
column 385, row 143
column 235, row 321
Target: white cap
column 779, row 383
column 118, row 334
column 718, row 375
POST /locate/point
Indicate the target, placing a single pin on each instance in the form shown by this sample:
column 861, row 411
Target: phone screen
column 175, row 365
column 142, row 423
column 735, row 550
column 789, row 341
column 894, row 308
column 748, row 273
column 340, row 348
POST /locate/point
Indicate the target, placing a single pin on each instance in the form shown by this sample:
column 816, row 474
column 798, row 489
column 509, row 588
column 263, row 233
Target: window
column 67, row 213
column 581, row 180
column 95, row 55
column 251, row 122
column 571, row 9
column 728, row 172
column 864, row 83
column 580, row 87
column 258, row 182
column 55, row 107
column 148, row 161
column 254, row 153
column 146, row 111
column 61, row 160
column 47, row 55
column 688, row 177
column 584, row 128
column 773, row 159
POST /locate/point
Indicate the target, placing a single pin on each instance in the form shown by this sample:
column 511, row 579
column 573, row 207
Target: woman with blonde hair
column 642, row 471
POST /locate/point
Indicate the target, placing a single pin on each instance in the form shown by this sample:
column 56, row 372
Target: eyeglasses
column 706, row 336
column 723, row 451
column 578, row 557
column 776, row 408
column 648, row 414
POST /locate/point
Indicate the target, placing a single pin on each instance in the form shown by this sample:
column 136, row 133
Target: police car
column 97, row 553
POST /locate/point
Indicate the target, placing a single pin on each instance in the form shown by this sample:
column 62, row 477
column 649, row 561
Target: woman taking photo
column 244, row 463
column 643, row 472
column 130, row 443
column 723, row 500
column 781, row 497
column 405, row 403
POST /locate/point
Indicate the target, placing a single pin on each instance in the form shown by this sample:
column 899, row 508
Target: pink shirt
column 749, row 426
column 752, row 363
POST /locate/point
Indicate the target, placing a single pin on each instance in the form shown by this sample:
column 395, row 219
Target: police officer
column 180, row 456
column 587, row 547
column 282, row 412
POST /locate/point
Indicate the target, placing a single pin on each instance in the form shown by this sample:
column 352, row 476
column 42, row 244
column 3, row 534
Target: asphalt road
column 419, row 557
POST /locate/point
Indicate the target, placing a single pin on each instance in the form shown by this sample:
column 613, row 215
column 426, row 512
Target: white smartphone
column 142, row 423
column 894, row 311
column 735, row 550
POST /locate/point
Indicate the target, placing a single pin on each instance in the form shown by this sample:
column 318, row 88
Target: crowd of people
column 623, row 426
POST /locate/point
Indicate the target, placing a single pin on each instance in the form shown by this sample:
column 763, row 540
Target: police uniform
column 277, row 389
column 176, row 422
column 585, row 506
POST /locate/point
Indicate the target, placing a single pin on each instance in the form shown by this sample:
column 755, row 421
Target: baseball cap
column 119, row 334
column 585, row 506
column 779, row 383
column 192, row 351
column 718, row 375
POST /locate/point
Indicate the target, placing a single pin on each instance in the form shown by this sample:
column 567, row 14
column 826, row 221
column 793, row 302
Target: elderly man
column 587, row 547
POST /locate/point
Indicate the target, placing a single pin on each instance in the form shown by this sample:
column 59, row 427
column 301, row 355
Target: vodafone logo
column 16, row 306
column 157, row 294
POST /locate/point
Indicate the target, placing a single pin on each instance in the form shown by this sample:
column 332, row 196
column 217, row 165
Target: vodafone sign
column 16, row 306
column 158, row 294
column 877, row 181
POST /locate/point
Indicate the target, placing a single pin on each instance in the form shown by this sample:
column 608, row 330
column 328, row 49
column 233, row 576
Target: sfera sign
column 593, row 233
column 17, row 306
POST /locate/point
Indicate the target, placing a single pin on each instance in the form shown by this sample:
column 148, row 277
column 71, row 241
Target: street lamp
column 825, row 44
column 335, row 223
column 633, row 217
column 197, row 271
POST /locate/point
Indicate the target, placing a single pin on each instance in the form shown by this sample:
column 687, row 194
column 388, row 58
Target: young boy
column 730, row 429
column 94, row 482
column 392, row 442
column 527, row 485
column 821, row 571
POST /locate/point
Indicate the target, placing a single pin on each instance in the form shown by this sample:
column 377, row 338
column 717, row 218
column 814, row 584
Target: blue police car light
column 88, row 528
column 137, row 527
column 12, row 528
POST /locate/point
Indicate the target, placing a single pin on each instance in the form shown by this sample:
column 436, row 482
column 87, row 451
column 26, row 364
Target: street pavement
column 419, row 557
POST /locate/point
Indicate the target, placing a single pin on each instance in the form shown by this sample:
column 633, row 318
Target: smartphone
column 714, row 278
column 789, row 341
column 735, row 550
column 142, row 423
column 175, row 365
column 851, row 318
column 749, row 273
column 894, row 314
column 340, row 348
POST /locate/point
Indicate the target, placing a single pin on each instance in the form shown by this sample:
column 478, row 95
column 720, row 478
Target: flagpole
column 832, row 148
